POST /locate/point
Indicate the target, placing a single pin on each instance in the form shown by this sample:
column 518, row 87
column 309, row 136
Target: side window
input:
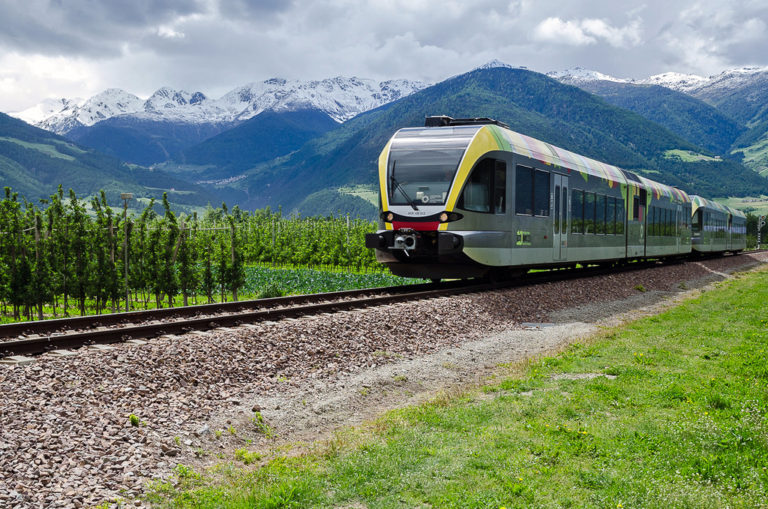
column 490, row 175
column 589, row 212
column 500, row 187
column 600, row 214
column 557, row 210
column 524, row 190
column 476, row 196
column 621, row 215
column 610, row 216
column 577, row 211
column 541, row 193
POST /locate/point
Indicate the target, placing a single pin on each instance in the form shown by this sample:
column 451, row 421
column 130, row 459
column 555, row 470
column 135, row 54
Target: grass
column 688, row 156
column 755, row 205
column 669, row 411
column 756, row 157
column 366, row 192
column 49, row 150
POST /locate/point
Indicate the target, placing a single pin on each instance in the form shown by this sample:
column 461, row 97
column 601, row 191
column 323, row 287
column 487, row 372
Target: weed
column 400, row 378
column 217, row 433
column 269, row 291
column 640, row 288
column 247, row 457
column 134, row 420
column 261, row 425
column 231, row 430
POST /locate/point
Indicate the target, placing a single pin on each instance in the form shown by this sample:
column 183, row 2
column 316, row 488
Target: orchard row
column 61, row 255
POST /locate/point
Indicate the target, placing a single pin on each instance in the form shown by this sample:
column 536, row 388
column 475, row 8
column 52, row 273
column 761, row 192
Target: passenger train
column 465, row 198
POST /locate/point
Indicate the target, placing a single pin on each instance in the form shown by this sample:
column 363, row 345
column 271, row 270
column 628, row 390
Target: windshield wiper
column 394, row 183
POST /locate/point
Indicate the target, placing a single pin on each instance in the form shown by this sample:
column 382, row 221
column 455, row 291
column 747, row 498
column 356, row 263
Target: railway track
column 31, row 338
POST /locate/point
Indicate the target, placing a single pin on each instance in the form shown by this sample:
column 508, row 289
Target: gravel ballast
column 67, row 441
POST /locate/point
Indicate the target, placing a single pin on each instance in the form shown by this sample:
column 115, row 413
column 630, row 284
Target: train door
column 636, row 233
column 560, row 218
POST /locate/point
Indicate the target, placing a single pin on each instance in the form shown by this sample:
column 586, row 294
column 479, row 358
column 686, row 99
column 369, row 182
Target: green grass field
column 688, row 156
column 755, row 205
column 670, row 411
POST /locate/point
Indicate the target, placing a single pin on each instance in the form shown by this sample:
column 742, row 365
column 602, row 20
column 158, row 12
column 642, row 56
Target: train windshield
column 423, row 163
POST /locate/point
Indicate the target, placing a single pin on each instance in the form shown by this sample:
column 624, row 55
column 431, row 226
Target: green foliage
column 692, row 119
column 34, row 161
column 62, row 253
column 247, row 457
column 134, row 420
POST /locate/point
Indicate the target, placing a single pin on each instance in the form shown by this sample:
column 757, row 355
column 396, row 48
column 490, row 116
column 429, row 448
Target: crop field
column 668, row 411
column 267, row 281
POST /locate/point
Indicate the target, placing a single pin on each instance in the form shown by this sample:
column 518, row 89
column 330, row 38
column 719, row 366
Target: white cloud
column 587, row 31
column 561, row 32
column 78, row 47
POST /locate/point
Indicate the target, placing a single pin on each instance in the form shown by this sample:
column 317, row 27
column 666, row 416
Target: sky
column 77, row 48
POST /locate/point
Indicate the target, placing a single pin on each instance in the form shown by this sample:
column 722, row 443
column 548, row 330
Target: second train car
column 471, row 198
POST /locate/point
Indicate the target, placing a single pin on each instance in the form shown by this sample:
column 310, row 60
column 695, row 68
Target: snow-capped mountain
column 341, row 98
column 578, row 75
column 675, row 81
column 688, row 83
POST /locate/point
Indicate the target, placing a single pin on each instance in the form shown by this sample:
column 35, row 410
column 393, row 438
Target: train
column 471, row 198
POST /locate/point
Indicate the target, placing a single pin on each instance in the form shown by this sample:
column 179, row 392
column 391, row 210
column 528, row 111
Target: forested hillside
column 34, row 162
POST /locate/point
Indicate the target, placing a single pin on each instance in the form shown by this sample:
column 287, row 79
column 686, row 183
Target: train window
column 565, row 210
column 670, row 222
column 621, row 215
column 524, row 190
column 600, row 213
column 557, row 210
column 589, row 212
column 500, row 187
column 610, row 216
column 652, row 221
column 577, row 211
column 477, row 192
column 541, row 193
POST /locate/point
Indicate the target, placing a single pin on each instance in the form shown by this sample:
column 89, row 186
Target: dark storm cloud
column 84, row 27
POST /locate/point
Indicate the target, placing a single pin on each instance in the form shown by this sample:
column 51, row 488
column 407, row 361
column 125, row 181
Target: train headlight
column 388, row 217
column 447, row 217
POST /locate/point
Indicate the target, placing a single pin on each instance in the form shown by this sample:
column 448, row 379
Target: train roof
column 509, row 140
column 701, row 202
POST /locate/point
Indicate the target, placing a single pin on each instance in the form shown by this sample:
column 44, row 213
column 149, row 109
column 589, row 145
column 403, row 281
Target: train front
column 419, row 183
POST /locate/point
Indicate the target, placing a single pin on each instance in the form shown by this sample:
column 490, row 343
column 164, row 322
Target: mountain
column 740, row 97
column 266, row 136
column 341, row 98
column 530, row 103
column 144, row 141
column 162, row 127
column 33, row 162
column 688, row 117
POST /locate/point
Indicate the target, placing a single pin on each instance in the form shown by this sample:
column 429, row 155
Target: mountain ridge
column 341, row 98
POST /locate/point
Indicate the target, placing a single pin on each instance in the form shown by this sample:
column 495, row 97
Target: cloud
column 79, row 47
column 587, row 31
